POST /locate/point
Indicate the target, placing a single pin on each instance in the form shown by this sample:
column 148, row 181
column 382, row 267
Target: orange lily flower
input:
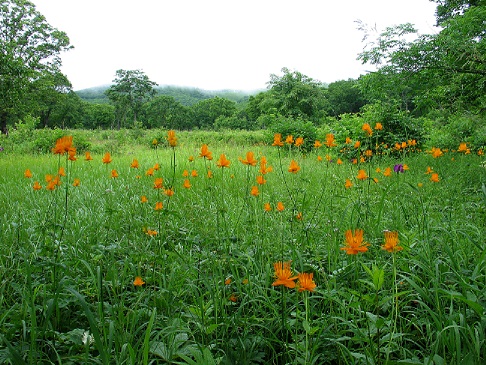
column 250, row 159
column 114, row 174
column 205, row 153
column 158, row 183
column 87, row 156
column 306, row 282
column 171, row 138
column 462, row 147
column 61, row 171
column 51, row 185
column 254, row 191
column 436, row 152
column 138, row 281
column 277, row 140
column 299, row 141
column 354, row 242
column 434, row 177
column 348, row 184
column 260, row 180
column 366, row 127
column 280, row 207
column 263, row 166
column 223, row 161
column 63, row 145
column 143, row 199
column 294, row 167
column 289, row 139
column 72, row 154
column 76, row 182
column 283, row 273
column 28, row 174
column 151, row 232
column 159, row 206
column 330, row 142
column 150, row 172
column 267, row 207
column 135, row 164
column 36, row 186
column 362, row 175
column 187, row 184
column 194, row 173
column 317, row 144
column 391, row 242
column 378, row 126
column 107, row 158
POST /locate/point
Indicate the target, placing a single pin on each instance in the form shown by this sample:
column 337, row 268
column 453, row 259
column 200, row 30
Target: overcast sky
column 221, row 44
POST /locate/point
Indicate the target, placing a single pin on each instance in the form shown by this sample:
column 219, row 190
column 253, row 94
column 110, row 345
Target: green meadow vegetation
column 308, row 223
column 152, row 248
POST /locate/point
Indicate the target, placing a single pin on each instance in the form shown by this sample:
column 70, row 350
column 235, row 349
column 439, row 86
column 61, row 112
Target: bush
column 297, row 128
column 233, row 122
column 458, row 128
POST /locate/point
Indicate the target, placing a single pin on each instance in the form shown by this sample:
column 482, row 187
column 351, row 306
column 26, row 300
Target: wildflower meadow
column 283, row 251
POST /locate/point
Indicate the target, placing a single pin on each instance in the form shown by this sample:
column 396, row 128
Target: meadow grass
column 70, row 258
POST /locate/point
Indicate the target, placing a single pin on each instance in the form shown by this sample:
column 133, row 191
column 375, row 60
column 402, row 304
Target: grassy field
column 160, row 256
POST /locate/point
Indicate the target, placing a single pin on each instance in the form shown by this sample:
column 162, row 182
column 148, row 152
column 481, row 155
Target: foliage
column 296, row 128
column 235, row 122
column 205, row 112
column 206, row 291
column 439, row 77
column 131, row 89
column 295, row 95
column 344, row 96
column 98, row 116
column 29, row 48
column 458, row 128
column 165, row 112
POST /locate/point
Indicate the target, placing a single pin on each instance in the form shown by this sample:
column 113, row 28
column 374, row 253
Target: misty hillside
column 184, row 95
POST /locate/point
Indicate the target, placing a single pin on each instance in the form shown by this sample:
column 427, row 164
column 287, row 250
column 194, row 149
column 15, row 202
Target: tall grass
column 70, row 257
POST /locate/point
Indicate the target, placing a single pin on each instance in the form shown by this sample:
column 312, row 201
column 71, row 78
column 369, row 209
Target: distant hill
column 185, row 95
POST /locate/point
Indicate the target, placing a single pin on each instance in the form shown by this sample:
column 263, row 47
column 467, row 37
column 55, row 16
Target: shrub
column 297, row 128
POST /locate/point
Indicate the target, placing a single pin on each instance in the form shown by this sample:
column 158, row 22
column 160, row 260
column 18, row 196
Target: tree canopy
column 131, row 89
column 29, row 49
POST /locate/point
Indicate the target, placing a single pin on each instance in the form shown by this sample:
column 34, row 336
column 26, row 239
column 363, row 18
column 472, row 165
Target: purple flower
column 398, row 168
column 1, row 148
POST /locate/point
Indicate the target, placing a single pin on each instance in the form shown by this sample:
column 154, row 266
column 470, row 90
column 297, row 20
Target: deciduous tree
column 29, row 47
column 131, row 89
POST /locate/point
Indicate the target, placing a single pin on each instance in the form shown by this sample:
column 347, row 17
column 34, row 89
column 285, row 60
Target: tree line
column 429, row 86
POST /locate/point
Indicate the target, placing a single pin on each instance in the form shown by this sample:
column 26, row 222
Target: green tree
column 165, row 112
column 344, row 97
column 131, row 89
column 98, row 116
column 29, row 47
column 45, row 93
column 205, row 112
column 448, row 67
column 298, row 96
column 68, row 111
